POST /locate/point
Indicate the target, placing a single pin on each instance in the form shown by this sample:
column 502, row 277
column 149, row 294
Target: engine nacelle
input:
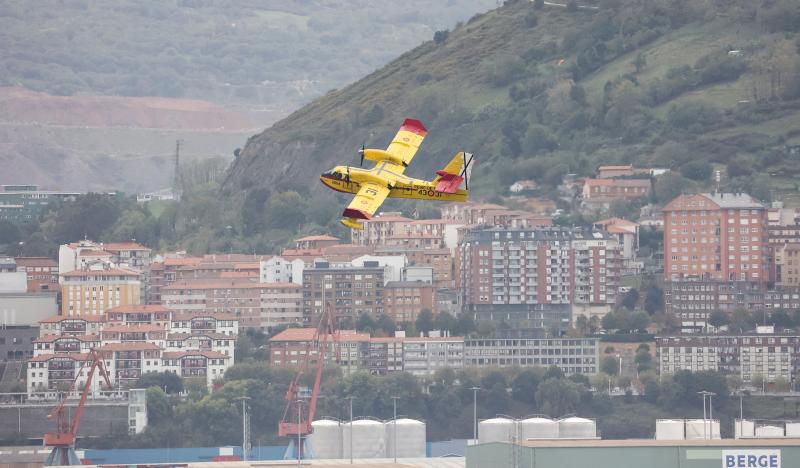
column 381, row 155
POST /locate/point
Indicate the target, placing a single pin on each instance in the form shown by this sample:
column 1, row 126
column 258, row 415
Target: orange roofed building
column 721, row 236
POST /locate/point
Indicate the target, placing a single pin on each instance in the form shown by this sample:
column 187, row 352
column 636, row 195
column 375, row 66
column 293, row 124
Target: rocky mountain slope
column 539, row 91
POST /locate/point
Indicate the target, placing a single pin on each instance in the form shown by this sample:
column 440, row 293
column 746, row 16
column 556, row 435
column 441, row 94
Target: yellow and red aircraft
column 386, row 179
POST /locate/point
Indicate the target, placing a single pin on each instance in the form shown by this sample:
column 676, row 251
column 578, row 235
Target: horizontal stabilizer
column 448, row 183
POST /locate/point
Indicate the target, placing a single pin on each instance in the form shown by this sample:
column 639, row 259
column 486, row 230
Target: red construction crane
column 63, row 439
column 296, row 423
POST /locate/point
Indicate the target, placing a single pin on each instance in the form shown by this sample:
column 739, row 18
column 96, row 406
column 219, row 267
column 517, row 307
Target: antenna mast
column 177, row 186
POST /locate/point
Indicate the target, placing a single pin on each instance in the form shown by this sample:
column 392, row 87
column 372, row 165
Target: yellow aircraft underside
column 408, row 188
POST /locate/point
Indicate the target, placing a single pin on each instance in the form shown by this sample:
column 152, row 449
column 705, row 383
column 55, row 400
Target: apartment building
column 692, row 300
column 787, row 264
column 359, row 351
column 132, row 343
column 352, row 290
column 719, row 235
column 768, row 356
column 92, row 292
column 607, row 190
column 441, row 260
column 87, row 254
column 41, row 272
column 532, row 277
column 280, row 270
column 403, row 301
column 423, row 356
column 291, row 347
column 25, row 203
column 256, row 305
column 571, row 355
column 381, row 227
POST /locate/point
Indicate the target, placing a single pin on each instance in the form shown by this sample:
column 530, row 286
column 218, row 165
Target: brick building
column 352, row 290
column 403, row 301
column 42, row 272
column 256, row 305
column 533, row 277
column 721, row 235
column 610, row 189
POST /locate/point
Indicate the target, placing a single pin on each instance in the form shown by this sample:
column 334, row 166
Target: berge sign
column 751, row 459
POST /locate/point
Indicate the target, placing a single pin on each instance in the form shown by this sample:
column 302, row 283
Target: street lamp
column 394, row 424
column 475, row 414
column 245, row 428
column 705, row 393
column 351, row 428
column 299, row 409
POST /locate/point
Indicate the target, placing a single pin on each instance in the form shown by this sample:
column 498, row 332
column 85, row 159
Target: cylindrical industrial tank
column 702, row 429
column 769, row 431
column 577, row 428
column 670, row 429
column 496, row 430
column 369, row 439
column 793, row 429
column 410, row 438
column 744, row 428
column 538, row 428
column 326, row 439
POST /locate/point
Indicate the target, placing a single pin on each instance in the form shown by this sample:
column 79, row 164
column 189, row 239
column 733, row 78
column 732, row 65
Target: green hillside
column 253, row 53
column 541, row 91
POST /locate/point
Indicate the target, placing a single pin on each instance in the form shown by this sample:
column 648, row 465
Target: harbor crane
column 63, row 439
column 296, row 423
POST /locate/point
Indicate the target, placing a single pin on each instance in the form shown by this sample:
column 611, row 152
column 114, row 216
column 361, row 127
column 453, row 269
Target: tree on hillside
column 525, row 385
column 654, row 299
column 630, row 299
column 424, row 322
column 609, row 365
column 718, row 319
column 557, row 397
column 166, row 381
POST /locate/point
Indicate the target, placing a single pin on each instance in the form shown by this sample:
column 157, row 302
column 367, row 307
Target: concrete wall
column 31, row 419
column 27, row 309
column 498, row 455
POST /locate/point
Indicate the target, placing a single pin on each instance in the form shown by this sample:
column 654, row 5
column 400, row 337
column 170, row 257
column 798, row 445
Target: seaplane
column 386, row 179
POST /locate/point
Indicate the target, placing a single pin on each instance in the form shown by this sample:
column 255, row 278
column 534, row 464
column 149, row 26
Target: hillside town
column 709, row 282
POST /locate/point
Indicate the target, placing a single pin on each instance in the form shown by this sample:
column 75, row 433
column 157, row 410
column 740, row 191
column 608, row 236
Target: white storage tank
column 792, row 429
column 369, row 439
column 410, row 438
column 496, row 430
column 702, row 429
column 326, row 439
column 577, row 428
column 670, row 429
column 538, row 428
column 769, row 431
column 744, row 428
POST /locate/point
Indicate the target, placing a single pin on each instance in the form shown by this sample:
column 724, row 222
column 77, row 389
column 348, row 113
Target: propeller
column 361, row 152
column 347, row 175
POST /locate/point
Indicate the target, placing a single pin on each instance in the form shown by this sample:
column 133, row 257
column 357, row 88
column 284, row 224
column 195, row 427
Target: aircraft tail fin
column 456, row 174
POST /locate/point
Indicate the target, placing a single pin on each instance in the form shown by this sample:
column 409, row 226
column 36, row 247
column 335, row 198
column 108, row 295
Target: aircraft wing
column 407, row 140
column 367, row 201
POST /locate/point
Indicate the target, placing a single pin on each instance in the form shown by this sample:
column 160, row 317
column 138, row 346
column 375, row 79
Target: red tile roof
column 36, row 262
column 129, row 346
column 323, row 237
column 73, row 356
column 52, row 338
column 218, row 284
column 61, row 318
column 194, row 352
column 139, row 327
column 109, row 272
column 117, row 246
column 139, row 308
column 307, row 334
column 182, row 261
